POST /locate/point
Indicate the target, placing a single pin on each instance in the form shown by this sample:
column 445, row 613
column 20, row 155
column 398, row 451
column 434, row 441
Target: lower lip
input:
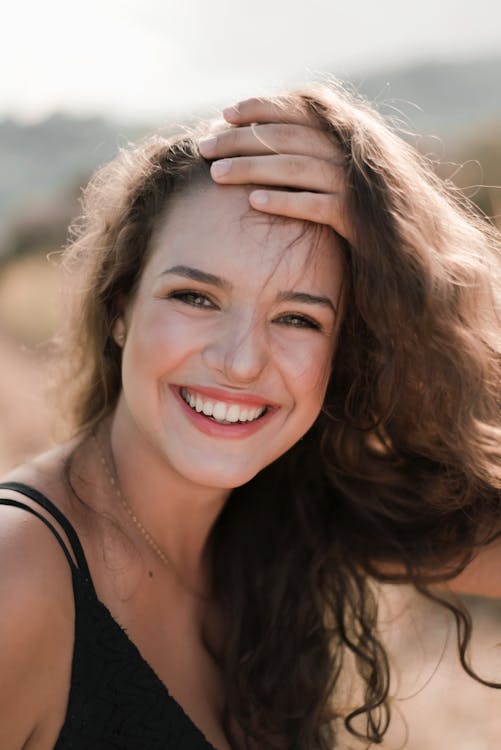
column 214, row 429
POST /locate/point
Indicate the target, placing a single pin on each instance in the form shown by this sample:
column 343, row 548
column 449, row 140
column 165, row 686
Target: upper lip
column 230, row 397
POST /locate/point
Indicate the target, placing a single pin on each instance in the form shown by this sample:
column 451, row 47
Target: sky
column 143, row 60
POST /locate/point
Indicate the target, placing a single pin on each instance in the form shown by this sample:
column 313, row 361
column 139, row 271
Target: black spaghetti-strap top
column 116, row 701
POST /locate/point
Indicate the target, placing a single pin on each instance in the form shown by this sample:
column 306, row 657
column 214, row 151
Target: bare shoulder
column 36, row 627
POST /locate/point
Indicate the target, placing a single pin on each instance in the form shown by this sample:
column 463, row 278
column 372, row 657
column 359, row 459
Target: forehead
column 213, row 228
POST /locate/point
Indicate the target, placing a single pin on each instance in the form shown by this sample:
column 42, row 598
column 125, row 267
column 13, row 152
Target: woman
column 284, row 385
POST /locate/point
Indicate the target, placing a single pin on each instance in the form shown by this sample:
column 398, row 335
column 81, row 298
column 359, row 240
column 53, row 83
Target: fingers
column 278, row 143
column 321, row 209
column 278, row 109
column 286, row 170
column 281, row 138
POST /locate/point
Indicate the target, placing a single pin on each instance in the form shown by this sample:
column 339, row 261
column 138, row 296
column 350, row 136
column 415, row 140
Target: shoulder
column 32, row 560
column 29, row 550
column 46, row 473
column 36, row 623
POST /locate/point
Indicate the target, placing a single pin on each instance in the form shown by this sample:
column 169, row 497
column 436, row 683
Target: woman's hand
column 278, row 144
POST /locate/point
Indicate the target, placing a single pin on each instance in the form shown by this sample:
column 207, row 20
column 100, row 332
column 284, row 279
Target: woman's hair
column 399, row 477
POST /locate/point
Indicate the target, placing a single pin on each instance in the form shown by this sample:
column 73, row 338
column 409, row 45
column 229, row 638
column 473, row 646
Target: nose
column 240, row 352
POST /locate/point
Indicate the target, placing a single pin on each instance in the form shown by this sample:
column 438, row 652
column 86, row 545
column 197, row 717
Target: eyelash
column 304, row 322
column 182, row 296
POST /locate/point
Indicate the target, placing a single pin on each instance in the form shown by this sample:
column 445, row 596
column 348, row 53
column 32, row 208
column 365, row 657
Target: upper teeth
column 221, row 411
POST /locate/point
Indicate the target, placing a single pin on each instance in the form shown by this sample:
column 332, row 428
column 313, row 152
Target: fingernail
column 259, row 197
column 207, row 145
column 231, row 113
column 220, row 168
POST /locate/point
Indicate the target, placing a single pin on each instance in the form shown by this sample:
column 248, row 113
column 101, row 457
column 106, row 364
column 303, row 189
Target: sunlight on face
column 230, row 337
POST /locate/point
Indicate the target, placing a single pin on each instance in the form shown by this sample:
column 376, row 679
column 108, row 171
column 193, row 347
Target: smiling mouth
column 220, row 411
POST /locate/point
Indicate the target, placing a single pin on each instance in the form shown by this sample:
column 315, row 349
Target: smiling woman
column 256, row 331
column 284, row 386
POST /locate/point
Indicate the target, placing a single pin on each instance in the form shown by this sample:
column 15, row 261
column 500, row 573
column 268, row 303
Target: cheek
column 307, row 367
column 161, row 340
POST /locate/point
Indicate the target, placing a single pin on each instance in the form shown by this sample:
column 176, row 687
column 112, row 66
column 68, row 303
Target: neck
column 176, row 512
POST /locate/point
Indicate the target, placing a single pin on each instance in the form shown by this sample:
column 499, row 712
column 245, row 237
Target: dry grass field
column 436, row 706
column 29, row 297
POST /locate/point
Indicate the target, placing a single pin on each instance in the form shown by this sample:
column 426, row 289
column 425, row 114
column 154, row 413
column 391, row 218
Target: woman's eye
column 299, row 321
column 195, row 299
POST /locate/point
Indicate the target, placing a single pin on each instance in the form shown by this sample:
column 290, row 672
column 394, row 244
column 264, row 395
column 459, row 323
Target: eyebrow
column 195, row 274
column 306, row 298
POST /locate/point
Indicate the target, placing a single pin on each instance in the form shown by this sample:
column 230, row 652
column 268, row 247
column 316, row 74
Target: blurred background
column 79, row 80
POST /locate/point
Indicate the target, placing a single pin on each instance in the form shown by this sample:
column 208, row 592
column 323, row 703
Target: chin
column 224, row 476
column 223, row 480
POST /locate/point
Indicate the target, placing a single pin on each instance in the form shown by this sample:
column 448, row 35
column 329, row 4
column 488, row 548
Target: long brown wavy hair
column 398, row 479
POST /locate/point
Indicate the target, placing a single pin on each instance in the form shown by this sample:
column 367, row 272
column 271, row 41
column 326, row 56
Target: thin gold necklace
column 125, row 505
column 167, row 562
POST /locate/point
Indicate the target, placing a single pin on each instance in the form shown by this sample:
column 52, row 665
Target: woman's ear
column 118, row 331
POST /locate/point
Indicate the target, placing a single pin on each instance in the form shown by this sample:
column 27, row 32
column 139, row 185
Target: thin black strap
column 24, row 506
column 37, row 496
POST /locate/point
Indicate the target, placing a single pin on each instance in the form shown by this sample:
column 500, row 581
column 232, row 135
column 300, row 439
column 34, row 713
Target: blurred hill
column 43, row 165
column 444, row 98
column 37, row 159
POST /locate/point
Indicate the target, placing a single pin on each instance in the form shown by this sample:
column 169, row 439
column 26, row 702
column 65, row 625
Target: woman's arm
column 35, row 633
column 482, row 577
column 276, row 144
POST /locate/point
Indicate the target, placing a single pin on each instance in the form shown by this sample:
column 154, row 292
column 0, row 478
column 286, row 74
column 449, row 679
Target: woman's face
column 230, row 337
